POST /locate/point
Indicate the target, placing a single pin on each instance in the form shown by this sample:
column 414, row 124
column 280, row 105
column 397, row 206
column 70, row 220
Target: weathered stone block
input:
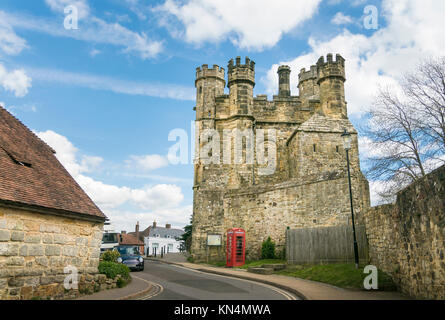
column 26, row 293
column 52, row 250
column 47, row 238
column 60, row 239
column 16, row 282
column 23, row 251
column 69, row 251
column 5, row 235
column 18, row 236
column 32, row 238
column 15, row 261
column 36, row 250
column 43, row 261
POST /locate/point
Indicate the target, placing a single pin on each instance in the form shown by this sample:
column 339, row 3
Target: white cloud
column 341, row 18
column 137, row 8
column 248, row 24
column 95, row 52
column 10, row 43
column 16, row 81
column 95, row 82
column 161, row 201
column 414, row 30
column 148, row 162
column 92, row 30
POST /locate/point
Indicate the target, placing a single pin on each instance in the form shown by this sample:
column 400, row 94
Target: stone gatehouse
column 308, row 186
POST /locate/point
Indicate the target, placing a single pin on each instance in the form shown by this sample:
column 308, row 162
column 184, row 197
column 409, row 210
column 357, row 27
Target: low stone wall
column 35, row 248
column 407, row 239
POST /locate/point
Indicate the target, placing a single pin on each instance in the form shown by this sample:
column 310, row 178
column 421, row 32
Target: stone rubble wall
column 407, row 239
column 35, row 249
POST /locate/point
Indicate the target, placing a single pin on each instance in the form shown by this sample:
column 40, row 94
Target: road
column 178, row 283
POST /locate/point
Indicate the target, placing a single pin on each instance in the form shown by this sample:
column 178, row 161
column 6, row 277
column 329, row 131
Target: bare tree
column 407, row 130
column 426, row 90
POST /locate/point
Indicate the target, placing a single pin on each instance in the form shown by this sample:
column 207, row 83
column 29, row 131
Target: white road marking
column 158, row 289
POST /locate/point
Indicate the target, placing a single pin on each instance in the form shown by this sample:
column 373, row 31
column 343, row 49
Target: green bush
column 110, row 256
column 122, row 282
column 112, row 269
column 268, row 249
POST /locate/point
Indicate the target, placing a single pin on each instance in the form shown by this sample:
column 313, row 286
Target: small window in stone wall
column 337, row 149
column 200, row 90
column 315, row 148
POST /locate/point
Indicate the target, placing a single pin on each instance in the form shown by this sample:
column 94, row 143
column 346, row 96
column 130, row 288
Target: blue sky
column 106, row 96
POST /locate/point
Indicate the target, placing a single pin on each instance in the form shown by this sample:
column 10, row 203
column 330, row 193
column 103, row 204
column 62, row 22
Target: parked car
column 131, row 257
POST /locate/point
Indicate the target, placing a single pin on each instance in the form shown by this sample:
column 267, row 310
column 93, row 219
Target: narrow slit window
column 315, row 148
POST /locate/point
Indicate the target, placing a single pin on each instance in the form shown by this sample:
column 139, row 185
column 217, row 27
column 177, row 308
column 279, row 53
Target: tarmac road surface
column 178, row 283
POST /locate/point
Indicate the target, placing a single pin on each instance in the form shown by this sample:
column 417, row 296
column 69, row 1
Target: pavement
column 305, row 289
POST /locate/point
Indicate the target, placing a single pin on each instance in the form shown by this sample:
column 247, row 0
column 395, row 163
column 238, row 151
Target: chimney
column 154, row 224
column 137, row 230
column 168, row 226
column 284, row 81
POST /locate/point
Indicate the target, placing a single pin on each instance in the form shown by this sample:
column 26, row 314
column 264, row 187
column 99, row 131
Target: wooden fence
column 325, row 245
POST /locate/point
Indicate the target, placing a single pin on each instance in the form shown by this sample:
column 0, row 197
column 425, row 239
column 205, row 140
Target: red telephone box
column 236, row 247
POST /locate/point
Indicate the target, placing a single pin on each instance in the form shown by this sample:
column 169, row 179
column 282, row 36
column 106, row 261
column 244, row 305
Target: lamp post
column 347, row 145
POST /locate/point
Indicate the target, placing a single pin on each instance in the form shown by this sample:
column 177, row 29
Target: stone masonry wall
column 407, row 239
column 269, row 210
column 35, row 249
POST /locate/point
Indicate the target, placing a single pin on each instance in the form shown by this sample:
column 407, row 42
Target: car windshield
column 126, row 251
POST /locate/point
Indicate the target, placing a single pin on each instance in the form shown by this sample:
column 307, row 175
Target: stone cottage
column 47, row 222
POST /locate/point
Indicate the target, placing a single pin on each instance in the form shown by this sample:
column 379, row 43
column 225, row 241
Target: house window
column 170, row 247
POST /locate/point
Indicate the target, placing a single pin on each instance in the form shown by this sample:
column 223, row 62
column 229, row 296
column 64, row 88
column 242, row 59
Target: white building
column 160, row 238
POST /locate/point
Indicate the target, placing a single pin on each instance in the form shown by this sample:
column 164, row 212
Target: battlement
column 283, row 68
column 206, row 72
column 241, row 72
column 308, row 75
column 248, row 64
column 331, row 68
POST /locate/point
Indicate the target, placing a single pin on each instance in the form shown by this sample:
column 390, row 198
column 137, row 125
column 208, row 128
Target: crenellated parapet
column 307, row 82
column 331, row 68
column 216, row 72
column 244, row 73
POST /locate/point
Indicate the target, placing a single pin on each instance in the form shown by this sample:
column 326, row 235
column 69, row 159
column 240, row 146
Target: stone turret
column 241, row 83
column 331, row 78
column 307, row 83
column 209, row 84
column 284, row 81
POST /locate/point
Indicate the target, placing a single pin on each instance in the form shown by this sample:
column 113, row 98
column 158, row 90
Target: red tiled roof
column 142, row 234
column 31, row 175
column 128, row 239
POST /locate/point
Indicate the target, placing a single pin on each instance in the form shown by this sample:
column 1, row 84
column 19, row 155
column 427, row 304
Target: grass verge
column 340, row 275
